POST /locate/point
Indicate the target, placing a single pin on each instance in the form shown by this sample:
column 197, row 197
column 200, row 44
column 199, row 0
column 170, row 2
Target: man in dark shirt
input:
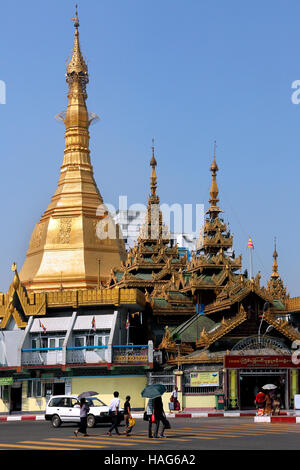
column 127, row 415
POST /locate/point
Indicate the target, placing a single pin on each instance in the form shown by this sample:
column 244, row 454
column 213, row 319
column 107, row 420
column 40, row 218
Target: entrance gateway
column 257, row 361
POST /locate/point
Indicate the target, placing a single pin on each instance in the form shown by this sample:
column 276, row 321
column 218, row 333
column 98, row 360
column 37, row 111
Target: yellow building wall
column 106, row 386
column 199, row 401
column 4, row 406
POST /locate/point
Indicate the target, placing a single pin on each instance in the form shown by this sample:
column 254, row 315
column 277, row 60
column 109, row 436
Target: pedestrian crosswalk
column 185, row 435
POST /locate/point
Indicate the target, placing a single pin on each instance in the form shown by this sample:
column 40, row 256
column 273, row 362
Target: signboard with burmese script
column 204, row 379
column 256, row 362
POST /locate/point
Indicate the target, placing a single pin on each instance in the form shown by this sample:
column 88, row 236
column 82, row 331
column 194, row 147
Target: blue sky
column 184, row 72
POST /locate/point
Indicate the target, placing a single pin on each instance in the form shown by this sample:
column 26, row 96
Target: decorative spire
column 214, row 191
column 153, row 179
column 76, row 118
column 275, row 274
column 77, row 67
column 275, row 285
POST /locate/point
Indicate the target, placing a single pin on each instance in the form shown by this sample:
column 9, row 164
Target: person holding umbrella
column 155, row 405
column 84, row 409
column 160, row 416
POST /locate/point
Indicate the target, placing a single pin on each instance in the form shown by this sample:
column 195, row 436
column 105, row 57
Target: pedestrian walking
column 149, row 412
column 174, row 399
column 260, row 402
column 114, row 413
column 127, row 415
column 276, row 404
column 84, row 409
column 160, row 416
column 268, row 404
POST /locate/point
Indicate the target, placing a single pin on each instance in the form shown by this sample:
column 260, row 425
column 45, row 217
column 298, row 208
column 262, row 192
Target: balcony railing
column 42, row 356
column 87, row 354
column 119, row 354
column 124, row 354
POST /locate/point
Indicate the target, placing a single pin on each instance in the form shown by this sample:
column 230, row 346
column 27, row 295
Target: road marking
column 64, row 443
column 116, row 440
column 16, row 446
column 79, row 440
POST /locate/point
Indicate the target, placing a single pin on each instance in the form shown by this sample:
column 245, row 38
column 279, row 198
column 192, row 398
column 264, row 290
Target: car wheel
column 91, row 421
column 56, row 421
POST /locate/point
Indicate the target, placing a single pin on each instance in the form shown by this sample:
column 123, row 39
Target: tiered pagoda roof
column 215, row 262
column 153, row 265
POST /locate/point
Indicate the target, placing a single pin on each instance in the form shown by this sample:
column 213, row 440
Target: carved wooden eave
column 283, row 326
column 277, row 290
column 31, row 304
column 36, row 304
column 236, row 291
column 170, row 346
column 212, row 225
column 218, row 240
column 202, row 358
column 226, row 325
column 292, row 304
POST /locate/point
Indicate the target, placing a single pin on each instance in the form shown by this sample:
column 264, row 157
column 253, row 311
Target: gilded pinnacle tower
column 275, row 285
column 64, row 250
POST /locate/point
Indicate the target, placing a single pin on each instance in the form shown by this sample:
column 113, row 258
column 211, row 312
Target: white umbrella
column 269, row 387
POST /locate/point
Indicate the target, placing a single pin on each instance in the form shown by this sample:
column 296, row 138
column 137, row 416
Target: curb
column 258, row 419
column 277, row 419
column 140, row 416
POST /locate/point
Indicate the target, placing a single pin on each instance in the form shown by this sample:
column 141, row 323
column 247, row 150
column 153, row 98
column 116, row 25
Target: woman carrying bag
column 129, row 420
column 159, row 416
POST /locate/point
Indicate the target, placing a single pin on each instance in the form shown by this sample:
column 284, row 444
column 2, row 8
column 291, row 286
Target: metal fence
column 162, row 378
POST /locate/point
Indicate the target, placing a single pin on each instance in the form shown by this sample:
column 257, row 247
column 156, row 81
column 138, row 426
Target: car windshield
column 95, row 402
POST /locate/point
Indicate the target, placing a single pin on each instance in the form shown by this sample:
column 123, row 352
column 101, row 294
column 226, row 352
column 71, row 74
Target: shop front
column 245, row 375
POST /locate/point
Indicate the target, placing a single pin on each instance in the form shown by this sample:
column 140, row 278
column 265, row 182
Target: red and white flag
column 94, row 324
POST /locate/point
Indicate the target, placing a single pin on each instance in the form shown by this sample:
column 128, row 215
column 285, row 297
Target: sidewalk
column 194, row 414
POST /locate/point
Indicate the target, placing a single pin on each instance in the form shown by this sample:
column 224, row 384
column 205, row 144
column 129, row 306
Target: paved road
column 185, row 435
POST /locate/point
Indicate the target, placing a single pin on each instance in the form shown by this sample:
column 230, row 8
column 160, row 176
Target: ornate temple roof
column 20, row 305
column 215, row 262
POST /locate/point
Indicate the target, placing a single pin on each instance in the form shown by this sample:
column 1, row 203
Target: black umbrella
column 87, row 394
column 153, row 391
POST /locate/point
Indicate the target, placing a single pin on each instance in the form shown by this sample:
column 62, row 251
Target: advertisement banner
column 6, row 381
column 204, row 379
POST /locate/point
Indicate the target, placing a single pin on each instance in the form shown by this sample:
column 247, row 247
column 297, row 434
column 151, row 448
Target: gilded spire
column 275, row 274
column 275, row 285
column 77, row 118
column 153, row 179
column 214, row 190
column 76, row 63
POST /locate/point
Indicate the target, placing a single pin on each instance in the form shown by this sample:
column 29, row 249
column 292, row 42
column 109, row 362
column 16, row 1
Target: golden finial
column 275, row 264
column 75, row 19
column 153, row 179
column 214, row 166
column 214, row 191
column 77, row 64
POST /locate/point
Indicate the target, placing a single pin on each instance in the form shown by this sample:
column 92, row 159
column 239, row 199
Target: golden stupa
column 65, row 249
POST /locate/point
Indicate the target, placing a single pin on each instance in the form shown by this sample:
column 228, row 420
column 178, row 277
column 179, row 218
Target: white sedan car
column 65, row 409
